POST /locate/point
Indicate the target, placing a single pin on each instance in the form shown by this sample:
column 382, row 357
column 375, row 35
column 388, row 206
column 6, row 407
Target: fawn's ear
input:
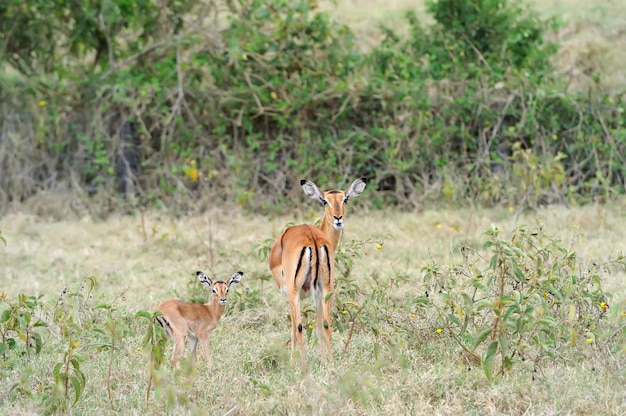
column 312, row 191
column 357, row 187
column 235, row 278
column 204, row 279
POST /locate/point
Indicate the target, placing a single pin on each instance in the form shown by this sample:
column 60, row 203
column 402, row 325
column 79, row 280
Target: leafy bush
column 138, row 100
column 527, row 300
column 497, row 34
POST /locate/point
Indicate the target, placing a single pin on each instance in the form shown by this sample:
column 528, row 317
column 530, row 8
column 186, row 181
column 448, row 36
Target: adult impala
column 193, row 320
column 302, row 262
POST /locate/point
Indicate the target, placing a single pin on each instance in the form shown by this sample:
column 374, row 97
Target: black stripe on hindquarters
column 328, row 265
column 165, row 324
column 317, row 265
column 306, row 284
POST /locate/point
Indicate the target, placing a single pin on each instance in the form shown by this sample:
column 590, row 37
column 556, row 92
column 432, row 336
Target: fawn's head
column 219, row 288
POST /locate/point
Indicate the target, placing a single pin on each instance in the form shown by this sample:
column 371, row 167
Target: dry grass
column 409, row 375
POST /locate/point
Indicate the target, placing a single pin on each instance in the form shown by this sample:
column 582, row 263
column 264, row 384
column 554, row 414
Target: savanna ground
column 397, row 364
column 403, row 366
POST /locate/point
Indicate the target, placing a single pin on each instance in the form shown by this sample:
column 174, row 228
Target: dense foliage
column 164, row 102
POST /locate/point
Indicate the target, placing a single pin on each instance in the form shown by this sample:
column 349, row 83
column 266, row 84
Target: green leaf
column 78, row 389
column 454, row 319
column 6, row 314
column 488, row 357
column 493, row 264
column 481, row 337
column 56, row 371
column 483, row 303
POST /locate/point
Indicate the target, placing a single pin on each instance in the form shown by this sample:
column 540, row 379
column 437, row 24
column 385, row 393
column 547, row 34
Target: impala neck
column 330, row 232
column 216, row 309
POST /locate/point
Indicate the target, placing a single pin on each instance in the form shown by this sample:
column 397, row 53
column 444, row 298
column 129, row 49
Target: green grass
column 397, row 364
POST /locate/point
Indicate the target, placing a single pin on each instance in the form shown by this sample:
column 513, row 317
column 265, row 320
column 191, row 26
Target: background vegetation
column 162, row 101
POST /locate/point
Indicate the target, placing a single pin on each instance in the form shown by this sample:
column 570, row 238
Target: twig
column 132, row 58
column 177, row 104
column 256, row 97
column 480, row 55
column 231, row 410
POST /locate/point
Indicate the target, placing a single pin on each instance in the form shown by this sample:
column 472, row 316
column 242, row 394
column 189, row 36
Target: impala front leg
column 207, row 349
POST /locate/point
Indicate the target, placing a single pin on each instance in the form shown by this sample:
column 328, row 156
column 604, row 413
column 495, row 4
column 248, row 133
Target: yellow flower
column 244, row 56
column 439, row 330
column 452, row 229
column 190, row 169
column 413, row 316
column 439, row 226
column 510, row 209
column 310, row 326
column 603, row 305
column 42, row 103
column 3, row 295
column 192, row 173
column 273, row 95
column 344, row 312
column 590, row 340
column 623, row 313
column 379, row 246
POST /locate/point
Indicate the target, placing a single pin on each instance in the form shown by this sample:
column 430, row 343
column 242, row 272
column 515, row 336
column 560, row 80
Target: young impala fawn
column 193, row 320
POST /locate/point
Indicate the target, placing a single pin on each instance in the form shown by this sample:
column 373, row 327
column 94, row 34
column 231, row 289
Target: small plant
column 523, row 301
column 75, row 320
column 19, row 323
column 155, row 342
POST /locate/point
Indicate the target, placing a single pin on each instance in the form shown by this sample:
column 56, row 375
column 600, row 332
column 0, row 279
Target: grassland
column 404, row 367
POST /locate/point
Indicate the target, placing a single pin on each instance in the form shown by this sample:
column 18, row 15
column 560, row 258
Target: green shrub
column 526, row 300
column 461, row 109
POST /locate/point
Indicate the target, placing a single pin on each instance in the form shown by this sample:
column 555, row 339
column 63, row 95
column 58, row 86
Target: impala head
column 220, row 288
column 334, row 201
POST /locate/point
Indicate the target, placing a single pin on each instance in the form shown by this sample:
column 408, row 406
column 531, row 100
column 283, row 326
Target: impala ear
column 357, row 187
column 312, row 191
column 235, row 278
column 204, row 279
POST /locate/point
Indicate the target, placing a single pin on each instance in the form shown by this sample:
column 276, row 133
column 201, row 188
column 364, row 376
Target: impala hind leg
column 323, row 328
column 179, row 346
column 193, row 344
column 296, row 329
